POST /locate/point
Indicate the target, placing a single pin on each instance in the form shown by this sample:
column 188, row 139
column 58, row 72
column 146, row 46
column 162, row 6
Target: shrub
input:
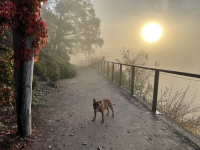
column 180, row 109
column 54, row 72
column 6, row 65
column 40, row 69
column 142, row 85
column 65, row 68
column 6, row 77
column 36, row 102
column 34, row 83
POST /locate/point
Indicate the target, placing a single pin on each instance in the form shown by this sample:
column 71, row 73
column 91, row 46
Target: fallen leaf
column 29, row 141
column 129, row 131
column 84, row 143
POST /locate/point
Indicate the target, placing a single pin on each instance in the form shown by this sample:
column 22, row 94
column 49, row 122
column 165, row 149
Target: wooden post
column 155, row 92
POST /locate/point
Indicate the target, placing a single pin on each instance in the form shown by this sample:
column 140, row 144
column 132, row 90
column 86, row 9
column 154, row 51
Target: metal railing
column 101, row 66
column 173, row 93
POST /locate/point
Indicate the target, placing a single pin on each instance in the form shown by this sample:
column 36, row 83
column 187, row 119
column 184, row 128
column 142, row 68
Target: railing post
column 120, row 76
column 101, row 66
column 155, row 92
column 98, row 65
column 92, row 62
column 132, row 82
column 113, row 72
column 104, row 67
column 108, row 70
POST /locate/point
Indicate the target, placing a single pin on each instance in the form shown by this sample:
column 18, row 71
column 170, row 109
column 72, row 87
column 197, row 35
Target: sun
column 151, row 32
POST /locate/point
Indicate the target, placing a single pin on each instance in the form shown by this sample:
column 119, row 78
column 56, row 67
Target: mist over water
column 177, row 49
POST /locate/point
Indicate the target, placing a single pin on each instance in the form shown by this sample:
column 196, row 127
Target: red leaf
column 4, row 37
column 14, row 131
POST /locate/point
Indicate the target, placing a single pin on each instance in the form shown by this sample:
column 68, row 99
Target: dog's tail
column 113, row 104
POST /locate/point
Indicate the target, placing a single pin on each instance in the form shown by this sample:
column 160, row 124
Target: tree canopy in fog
column 73, row 27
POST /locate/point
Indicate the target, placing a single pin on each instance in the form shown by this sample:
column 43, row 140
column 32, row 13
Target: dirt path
column 70, row 111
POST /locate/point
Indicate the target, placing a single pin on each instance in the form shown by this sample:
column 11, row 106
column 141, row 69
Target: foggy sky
column 177, row 49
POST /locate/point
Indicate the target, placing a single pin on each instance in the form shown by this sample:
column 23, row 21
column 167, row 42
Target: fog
column 122, row 22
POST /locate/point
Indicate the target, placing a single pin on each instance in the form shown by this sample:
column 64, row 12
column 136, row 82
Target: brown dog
column 101, row 106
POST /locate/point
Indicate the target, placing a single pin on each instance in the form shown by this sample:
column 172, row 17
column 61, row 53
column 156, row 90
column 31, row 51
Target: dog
column 101, row 106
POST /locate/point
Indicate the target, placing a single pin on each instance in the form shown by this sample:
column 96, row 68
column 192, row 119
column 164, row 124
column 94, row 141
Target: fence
column 174, row 93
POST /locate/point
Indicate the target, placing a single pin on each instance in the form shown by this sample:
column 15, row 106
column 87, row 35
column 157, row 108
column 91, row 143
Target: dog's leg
column 111, row 107
column 108, row 111
column 102, row 117
column 95, row 113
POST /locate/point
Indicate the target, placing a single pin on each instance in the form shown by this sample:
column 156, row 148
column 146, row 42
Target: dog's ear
column 94, row 100
column 100, row 102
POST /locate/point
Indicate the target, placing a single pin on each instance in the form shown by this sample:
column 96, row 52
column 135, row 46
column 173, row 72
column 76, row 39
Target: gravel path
column 69, row 111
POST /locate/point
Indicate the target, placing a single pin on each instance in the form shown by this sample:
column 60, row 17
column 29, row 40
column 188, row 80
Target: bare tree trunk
column 23, row 86
column 17, row 42
column 27, row 77
column 57, row 33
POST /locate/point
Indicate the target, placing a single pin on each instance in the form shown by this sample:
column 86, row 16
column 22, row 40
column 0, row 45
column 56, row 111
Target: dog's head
column 96, row 104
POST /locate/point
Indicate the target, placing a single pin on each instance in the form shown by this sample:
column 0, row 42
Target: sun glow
column 151, row 32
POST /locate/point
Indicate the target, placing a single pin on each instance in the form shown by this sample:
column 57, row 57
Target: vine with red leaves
column 25, row 15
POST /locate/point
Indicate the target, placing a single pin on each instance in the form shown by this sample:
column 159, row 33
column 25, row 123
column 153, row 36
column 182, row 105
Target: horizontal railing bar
column 162, row 70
